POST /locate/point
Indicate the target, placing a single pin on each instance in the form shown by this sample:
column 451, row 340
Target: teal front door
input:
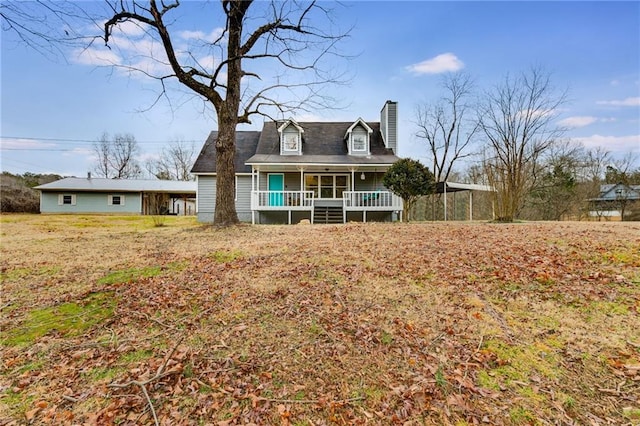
column 276, row 183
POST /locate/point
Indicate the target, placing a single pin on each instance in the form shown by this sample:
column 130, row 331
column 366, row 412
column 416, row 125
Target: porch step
column 327, row 215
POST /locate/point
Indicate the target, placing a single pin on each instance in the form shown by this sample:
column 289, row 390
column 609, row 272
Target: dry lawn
column 110, row 320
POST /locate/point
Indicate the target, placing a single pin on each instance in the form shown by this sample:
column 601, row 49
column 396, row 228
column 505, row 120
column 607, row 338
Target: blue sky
column 52, row 111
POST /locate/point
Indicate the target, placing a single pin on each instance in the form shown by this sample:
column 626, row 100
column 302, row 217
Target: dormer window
column 290, row 138
column 358, row 138
column 291, row 142
column 359, row 142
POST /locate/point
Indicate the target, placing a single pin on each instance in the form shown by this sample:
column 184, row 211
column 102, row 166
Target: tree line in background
column 118, row 157
column 520, row 149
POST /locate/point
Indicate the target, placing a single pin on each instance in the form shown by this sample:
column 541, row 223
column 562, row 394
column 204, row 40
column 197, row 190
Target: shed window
column 67, row 199
column 116, row 200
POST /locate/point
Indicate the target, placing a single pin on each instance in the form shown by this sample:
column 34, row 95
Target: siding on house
column 243, row 201
column 207, row 198
column 87, row 202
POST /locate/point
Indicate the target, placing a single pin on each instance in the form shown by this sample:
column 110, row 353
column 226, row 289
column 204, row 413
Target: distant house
column 615, row 202
column 326, row 172
column 118, row 196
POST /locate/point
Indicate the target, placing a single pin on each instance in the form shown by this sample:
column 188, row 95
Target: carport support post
column 445, row 201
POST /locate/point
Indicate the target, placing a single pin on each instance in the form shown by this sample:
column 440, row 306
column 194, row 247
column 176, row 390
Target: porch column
column 445, row 201
column 470, row 205
column 253, row 179
column 301, row 179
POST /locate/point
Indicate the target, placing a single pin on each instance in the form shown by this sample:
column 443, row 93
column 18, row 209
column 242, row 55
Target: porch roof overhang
column 321, row 162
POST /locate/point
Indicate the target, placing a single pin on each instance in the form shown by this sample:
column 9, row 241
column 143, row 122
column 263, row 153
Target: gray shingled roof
column 119, row 185
column 246, row 142
column 322, row 143
column 319, row 138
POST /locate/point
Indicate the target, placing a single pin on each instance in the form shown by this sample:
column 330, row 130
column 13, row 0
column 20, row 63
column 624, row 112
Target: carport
column 453, row 187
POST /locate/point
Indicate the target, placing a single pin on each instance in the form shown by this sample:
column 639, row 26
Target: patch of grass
column 130, row 275
column 19, row 273
column 386, row 338
column 134, row 274
column 441, row 380
column 485, row 380
column 69, row 319
column 608, row 308
column 31, row 366
column 17, row 402
column 222, row 256
column 629, row 256
column 631, row 413
column 315, row 328
column 518, row 363
column 99, row 374
column 521, row 416
column 136, row 356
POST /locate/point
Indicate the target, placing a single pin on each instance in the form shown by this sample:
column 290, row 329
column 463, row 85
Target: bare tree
column 175, row 162
column 48, row 27
column 622, row 173
column 517, row 117
column 116, row 157
column 276, row 36
column 447, row 125
column 556, row 194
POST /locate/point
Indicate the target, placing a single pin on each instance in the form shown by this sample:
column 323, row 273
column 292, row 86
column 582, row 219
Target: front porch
column 321, row 193
column 291, row 202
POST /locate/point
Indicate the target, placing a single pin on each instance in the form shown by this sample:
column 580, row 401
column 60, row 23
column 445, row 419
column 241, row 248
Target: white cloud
column 96, row 57
column 623, row 102
column 442, row 63
column 612, row 143
column 129, row 28
column 200, row 35
column 26, row 144
column 578, row 121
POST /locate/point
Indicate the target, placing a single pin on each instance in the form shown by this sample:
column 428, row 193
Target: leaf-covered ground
column 110, row 320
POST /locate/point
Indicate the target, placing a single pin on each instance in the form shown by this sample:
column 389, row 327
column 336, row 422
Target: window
column 326, row 186
column 291, row 142
column 116, row 200
column 290, row 135
column 359, row 143
column 66, row 199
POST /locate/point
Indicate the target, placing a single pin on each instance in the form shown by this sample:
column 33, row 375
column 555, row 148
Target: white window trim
column 236, row 188
column 110, row 199
column 364, row 145
column 61, row 199
column 284, row 131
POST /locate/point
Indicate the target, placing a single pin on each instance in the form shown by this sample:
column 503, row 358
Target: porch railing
column 281, row 200
column 371, row 201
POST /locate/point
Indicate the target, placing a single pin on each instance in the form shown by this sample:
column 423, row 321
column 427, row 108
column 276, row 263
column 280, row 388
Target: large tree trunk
column 225, row 213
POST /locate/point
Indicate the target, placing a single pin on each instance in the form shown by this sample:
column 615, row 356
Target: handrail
column 281, row 199
column 371, row 200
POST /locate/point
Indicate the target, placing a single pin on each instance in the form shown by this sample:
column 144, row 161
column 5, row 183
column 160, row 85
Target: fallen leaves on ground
column 425, row 323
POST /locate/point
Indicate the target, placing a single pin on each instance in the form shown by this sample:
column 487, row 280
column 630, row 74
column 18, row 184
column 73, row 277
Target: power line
column 71, row 141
